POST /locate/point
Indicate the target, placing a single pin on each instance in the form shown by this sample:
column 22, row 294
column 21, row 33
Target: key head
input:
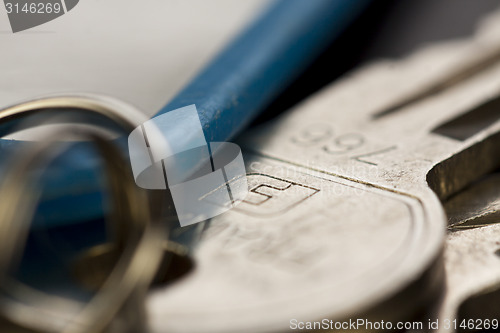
column 344, row 218
column 305, row 245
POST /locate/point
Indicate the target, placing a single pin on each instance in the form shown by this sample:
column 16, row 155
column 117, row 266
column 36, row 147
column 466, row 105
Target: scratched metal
column 473, row 267
column 472, row 256
column 476, row 206
column 290, row 242
column 345, row 210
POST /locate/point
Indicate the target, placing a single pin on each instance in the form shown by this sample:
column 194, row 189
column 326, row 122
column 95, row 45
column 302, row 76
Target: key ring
column 102, row 110
column 135, row 267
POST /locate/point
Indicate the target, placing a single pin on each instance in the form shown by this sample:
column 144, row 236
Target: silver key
column 344, row 219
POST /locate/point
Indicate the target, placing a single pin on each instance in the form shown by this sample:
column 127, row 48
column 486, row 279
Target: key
column 345, row 218
column 472, row 260
column 473, row 263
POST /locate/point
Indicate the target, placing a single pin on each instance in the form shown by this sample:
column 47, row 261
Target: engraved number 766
column 323, row 135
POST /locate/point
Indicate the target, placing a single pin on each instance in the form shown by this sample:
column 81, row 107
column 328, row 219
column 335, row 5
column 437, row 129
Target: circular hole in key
column 172, row 270
column 497, row 252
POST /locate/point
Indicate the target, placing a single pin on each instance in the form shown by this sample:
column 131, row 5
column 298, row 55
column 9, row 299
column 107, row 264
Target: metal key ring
column 94, row 109
column 128, row 117
column 134, row 269
column 137, row 265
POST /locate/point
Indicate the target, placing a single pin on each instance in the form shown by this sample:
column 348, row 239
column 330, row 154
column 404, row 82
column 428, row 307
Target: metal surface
column 473, row 269
column 472, row 257
column 476, row 206
column 344, row 219
column 118, row 304
column 124, row 288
